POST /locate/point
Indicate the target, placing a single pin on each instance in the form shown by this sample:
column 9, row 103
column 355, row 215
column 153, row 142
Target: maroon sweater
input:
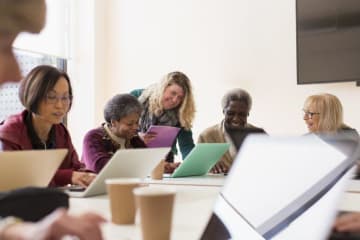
column 14, row 136
column 98, row 148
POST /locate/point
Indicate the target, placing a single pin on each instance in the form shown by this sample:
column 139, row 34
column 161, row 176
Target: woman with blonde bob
column 323, row 113
column 169, row 102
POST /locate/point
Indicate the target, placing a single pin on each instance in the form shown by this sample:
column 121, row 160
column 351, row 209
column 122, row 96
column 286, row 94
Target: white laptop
column 137, row 163
column 288, row 190
column 29, row 167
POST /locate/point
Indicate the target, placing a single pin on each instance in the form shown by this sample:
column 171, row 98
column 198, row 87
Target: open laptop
column 201, row 159
column 238, row 135
column 137, row 163
column 29, row 167
column 281, row 188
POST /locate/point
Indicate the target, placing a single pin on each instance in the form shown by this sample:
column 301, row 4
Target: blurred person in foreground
column 15, row 17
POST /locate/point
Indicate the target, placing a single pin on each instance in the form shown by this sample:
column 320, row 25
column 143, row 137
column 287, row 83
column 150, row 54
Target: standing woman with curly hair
column 169, row 102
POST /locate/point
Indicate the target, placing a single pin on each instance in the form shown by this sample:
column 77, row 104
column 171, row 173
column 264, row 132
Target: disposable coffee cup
column 121, row 198
column 155, row 205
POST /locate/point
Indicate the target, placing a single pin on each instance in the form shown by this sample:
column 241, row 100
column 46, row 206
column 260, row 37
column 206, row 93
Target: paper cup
column 156, row 206
column 121, row 197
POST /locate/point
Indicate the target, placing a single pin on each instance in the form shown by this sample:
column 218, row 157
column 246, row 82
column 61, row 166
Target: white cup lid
column 122, row 180
column 154, row 191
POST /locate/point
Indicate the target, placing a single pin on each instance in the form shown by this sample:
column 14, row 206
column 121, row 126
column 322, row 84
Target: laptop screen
column 201, row 159
column 278, row 186
column 238, row 135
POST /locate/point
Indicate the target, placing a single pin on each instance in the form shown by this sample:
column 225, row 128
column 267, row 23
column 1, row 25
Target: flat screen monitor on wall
column 328, row 41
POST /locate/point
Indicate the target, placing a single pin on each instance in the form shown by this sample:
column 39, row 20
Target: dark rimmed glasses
column 309, row 114
column 53, row 99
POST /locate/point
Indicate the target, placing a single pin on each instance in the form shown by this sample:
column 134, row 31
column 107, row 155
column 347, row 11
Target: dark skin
column 169, row 167
column 235, row 117
column 236, row 114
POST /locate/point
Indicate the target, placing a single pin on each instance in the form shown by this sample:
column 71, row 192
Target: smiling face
column 236, row 114
column 55, row 104
column 126, row 127
column 172, row 97
column 312, row 119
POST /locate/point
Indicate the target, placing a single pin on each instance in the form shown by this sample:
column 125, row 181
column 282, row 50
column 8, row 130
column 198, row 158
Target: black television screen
column 328, row 41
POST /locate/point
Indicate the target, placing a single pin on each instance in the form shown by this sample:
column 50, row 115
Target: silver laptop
column 281, row 188
column 29, row 167
column 137, row 163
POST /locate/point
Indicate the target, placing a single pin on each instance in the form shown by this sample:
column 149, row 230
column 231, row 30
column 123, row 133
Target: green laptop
column 201, row 159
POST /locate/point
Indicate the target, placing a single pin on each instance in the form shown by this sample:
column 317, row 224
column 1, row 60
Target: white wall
column 82, row 69
column 88, row 66
column 53, row 39
column 220, row 45
column 118, row 45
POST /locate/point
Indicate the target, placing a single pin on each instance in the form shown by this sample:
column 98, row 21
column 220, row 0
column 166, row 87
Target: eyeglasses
column 309, row 114
column 53, row 99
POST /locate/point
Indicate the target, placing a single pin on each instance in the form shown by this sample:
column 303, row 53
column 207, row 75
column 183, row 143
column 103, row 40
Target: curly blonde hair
column 330, row 109
column 154, row 94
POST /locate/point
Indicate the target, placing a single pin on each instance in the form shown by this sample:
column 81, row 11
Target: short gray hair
column 120, row 106
column 236, row 94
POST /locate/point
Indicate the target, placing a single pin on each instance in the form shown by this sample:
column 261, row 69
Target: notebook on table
column 201, row 159
column 132, row 163
column 29, row 167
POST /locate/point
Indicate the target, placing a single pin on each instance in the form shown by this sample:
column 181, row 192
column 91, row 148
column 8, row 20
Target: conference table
column 195, row 198
column 350, row 201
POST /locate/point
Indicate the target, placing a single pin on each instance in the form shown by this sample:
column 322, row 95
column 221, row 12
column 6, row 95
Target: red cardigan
column 14, row 136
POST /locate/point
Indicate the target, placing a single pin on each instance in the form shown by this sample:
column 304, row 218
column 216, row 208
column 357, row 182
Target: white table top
column 215, row 180
column 193, row 207
column 195, row 199
column 350, row 201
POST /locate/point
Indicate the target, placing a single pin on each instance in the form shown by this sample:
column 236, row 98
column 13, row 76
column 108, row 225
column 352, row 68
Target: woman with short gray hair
column 121, row 114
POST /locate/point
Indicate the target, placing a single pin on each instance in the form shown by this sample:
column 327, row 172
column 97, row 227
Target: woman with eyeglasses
column 46, row 94
column 323, row 113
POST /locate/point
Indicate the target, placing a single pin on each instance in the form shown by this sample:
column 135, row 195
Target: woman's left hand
column 82, row 178
column 348, row 222
column 147, row 137
column 170, row 167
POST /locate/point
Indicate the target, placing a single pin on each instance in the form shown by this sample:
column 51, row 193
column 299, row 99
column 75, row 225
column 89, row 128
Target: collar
column 232, row 148
column 34, row 138
column 113, row 137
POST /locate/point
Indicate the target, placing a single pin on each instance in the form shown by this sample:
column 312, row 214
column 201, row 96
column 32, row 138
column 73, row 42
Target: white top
column 192, row 210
